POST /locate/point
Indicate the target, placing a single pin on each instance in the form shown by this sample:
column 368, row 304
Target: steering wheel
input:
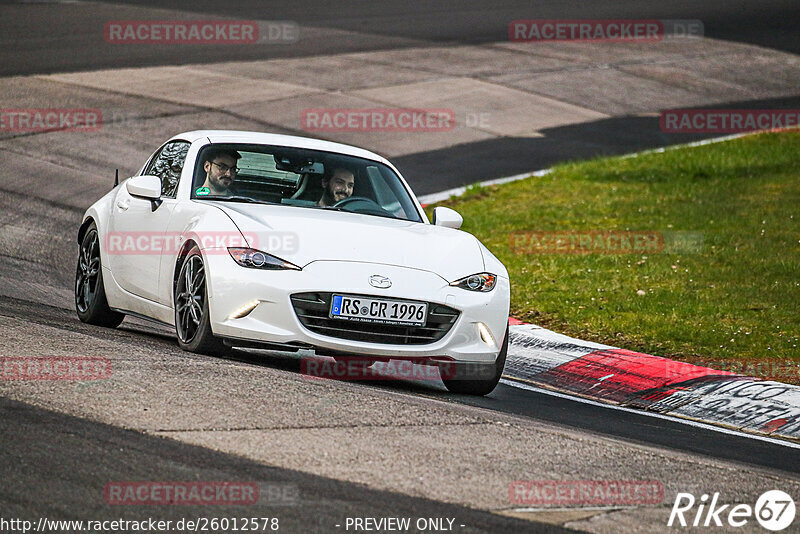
column 362, row 205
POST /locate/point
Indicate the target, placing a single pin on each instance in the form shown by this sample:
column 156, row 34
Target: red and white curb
column 641, row 381
column 631, row 379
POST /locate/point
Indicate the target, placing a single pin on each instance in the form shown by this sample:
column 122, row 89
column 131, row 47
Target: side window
column 168, row 166
column 388, row 198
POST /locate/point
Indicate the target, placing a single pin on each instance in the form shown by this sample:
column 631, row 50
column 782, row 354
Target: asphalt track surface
column 56, row 465
column 515, row 401
column 372, row 26
column 76, row 457
column 38, row 38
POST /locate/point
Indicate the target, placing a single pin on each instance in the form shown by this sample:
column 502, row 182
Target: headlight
column 255, row 259
column 483, row 282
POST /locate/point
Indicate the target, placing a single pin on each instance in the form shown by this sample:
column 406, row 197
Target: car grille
column 312, row 309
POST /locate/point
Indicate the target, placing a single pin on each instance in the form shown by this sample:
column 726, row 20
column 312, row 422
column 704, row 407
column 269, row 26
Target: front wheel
column 477, row 380
column 192, row 323
column 90, row 293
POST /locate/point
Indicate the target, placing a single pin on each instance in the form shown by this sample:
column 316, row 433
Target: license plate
column 381, row 311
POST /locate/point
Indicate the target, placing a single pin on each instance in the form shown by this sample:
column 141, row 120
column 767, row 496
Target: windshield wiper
column 316, row 207
column 337, row 208
column 237, row 198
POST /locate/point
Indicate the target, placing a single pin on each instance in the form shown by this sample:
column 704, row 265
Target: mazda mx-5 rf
column 288, row 243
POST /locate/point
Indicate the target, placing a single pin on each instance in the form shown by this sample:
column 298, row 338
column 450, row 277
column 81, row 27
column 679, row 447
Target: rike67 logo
column 774, row 510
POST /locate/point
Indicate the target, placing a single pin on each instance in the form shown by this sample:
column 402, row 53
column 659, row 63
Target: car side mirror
column 446, row 217
column 147, row 187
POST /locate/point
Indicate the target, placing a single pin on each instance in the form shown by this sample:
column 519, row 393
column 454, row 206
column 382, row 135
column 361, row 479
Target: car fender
column 491, row 263
column 208, row 227
column 100, row 212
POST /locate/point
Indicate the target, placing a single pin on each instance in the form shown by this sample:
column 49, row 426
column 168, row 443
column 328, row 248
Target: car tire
column 192, row 317
column 90, row 292
column 481, row 386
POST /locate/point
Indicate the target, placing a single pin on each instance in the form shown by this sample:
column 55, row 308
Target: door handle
column 123, row 204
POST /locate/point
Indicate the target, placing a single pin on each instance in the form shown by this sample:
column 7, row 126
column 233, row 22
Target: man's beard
column 330, row 197
column 222, row 185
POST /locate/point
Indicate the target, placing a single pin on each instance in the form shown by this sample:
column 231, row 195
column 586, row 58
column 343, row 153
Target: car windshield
column 300, row 178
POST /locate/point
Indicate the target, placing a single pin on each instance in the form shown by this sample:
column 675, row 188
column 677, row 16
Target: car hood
column 303, row 235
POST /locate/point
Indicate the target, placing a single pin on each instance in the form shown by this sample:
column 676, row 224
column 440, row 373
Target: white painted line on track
column 444, row 195
column 689, row 422
column 702, row 142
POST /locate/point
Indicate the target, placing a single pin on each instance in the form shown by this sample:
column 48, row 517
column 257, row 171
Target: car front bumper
column 274, row 321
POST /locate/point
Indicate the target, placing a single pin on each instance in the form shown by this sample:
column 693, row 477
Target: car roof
column 261, row 138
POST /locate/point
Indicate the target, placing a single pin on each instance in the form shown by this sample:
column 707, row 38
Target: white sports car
column 254, row 239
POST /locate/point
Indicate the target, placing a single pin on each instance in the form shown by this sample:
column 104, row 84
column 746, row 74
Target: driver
column 337, row 187
column 220, row 167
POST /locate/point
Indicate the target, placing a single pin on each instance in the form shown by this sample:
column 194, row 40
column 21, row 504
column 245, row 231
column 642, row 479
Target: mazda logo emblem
column 381, row 282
